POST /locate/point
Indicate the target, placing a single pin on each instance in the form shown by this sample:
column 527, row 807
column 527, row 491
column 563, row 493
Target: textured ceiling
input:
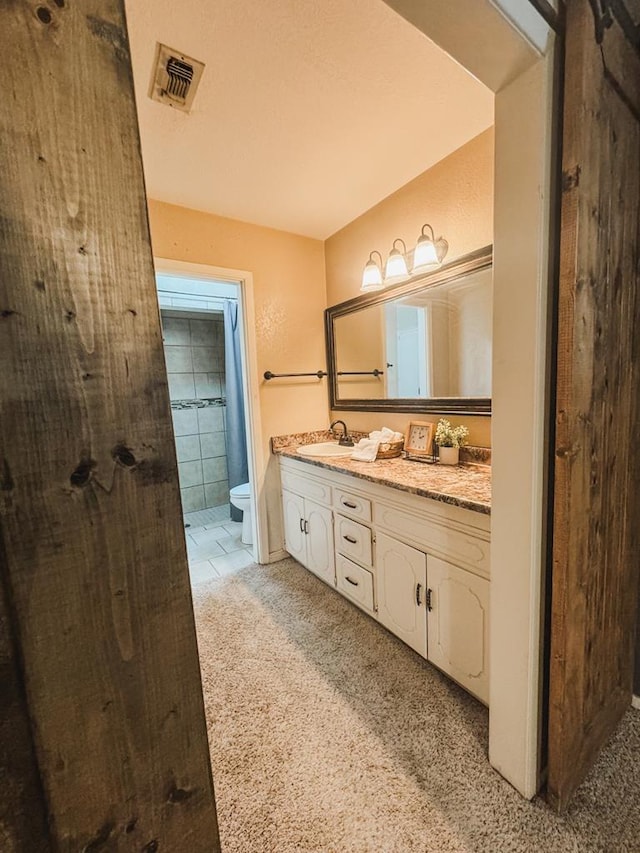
column 308, row 113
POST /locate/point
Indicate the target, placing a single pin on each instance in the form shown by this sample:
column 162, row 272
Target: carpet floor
column 328, row 735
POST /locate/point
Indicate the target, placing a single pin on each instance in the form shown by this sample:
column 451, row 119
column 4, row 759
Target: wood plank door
column 100, row 653
column 597, row 453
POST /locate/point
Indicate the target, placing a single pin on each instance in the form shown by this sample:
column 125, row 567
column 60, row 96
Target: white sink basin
column 324, row 448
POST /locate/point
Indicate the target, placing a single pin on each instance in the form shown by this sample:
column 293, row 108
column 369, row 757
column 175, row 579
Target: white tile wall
column 207, row 384
column 216, row 493
column 190, row 473
column 194, row 354
column 181, row 386
column 210, row 420
column 188, row 448
column 212, row 444
column 205, row 359
column 185, row 421
column 175, row 331
column 178, row 359
column 201, row 333
column 215, row 469
column 192, row 498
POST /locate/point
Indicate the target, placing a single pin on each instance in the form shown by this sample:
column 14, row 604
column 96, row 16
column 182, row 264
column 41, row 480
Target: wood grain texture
column 23, row 826
column 90, row 511
column 597, row 503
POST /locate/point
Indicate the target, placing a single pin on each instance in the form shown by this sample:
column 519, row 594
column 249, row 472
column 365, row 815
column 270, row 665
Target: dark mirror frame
column 473, row 262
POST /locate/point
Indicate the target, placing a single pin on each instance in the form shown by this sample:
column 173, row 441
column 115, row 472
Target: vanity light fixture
column 429, row 252
column 372, row 273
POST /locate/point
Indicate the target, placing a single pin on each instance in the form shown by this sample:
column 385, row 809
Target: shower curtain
column 236, row 431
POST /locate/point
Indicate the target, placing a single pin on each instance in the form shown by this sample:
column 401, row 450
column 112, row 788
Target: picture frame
column 418, row 440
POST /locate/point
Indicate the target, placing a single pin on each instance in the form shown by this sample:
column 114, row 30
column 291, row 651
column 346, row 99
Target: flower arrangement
column 450, row 436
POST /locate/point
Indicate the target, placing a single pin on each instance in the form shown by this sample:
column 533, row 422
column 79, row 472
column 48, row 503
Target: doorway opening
column 205, row 355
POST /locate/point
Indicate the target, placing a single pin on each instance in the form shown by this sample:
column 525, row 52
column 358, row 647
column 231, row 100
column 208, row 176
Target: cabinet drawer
column 307, row 486
column 352, row 505
column 355, row 582
column 446, row 541
column 353, row 540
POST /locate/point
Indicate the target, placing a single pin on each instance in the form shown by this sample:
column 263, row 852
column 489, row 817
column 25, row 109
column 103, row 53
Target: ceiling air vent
column 175, row 78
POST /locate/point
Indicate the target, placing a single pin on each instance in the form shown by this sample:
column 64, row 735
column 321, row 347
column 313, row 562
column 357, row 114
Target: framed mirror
column 420, row 346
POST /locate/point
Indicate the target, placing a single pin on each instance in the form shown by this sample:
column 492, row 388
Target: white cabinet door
column 401, row 578
column 319, row 535
column 459, row 625
column 294, row 536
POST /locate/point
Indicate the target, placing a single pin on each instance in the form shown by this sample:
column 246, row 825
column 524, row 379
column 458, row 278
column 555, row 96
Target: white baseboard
column 635, row 702
column 274, row 556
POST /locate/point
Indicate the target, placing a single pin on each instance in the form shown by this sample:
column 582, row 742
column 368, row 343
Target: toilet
column 240, row 497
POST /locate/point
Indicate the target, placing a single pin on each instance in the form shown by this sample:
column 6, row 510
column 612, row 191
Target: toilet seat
column 241, row 491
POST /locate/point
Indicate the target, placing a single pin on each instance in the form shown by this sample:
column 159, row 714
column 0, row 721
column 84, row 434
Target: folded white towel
column 386, row 435
column 366, row 450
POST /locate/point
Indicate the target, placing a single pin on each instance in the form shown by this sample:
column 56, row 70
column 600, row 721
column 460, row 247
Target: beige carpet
column 328, row 735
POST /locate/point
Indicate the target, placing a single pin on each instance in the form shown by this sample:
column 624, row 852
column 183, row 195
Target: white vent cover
column 175, row 78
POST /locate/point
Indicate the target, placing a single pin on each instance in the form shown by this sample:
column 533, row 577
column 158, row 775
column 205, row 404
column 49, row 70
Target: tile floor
column 214, row 544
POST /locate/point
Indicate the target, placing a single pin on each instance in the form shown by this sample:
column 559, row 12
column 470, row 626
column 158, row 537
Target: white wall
column 478, row 33
column 523, row 125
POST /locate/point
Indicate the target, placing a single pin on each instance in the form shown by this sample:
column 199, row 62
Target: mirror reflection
column 430, row 342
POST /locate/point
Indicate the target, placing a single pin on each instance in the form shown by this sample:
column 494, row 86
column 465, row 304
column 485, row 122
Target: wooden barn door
column 597, row 451
column 103, row 743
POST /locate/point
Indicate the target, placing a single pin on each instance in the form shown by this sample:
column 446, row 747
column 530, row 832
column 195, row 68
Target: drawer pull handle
column 351, row 506
column 302, row 525
column 352, row 582
column 418, row 588
column 350, row 539
column 306, row 527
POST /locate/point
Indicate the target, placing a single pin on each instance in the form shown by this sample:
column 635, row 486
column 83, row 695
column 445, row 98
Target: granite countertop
column 466, row 485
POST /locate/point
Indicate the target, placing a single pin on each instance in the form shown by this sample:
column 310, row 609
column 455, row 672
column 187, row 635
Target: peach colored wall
column 456, row 197
column 359, row 348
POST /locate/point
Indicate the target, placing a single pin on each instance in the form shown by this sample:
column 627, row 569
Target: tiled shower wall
column 194, row 353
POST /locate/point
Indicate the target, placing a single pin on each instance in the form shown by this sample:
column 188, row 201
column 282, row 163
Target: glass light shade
column 396, row 268
column 371, row 276
column 425, row 254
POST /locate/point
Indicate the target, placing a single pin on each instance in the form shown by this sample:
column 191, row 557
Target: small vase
column 449, row 455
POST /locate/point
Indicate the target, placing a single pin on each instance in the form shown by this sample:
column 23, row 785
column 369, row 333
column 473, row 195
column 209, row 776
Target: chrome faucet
column 345, row 439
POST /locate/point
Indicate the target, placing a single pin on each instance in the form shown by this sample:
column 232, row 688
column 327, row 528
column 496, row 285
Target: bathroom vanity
column 407, row 543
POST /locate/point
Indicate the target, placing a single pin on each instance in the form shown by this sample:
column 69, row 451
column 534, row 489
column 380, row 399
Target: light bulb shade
column 371, row 275
column 425, row 255
column 429, row 252
column 396, row 268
